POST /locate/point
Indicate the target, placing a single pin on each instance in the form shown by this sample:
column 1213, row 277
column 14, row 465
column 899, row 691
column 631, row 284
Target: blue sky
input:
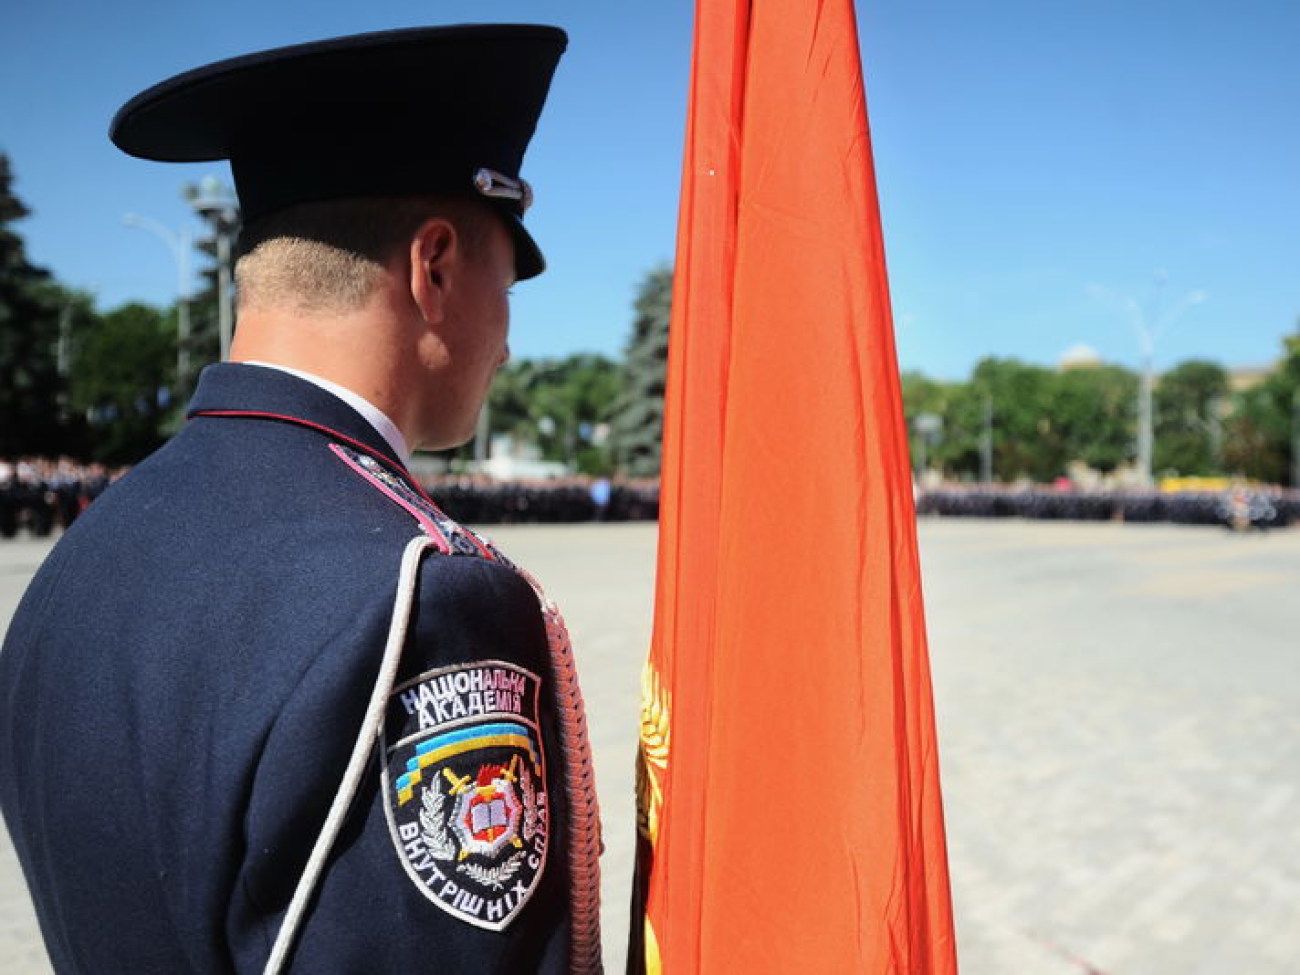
column 1043, row 167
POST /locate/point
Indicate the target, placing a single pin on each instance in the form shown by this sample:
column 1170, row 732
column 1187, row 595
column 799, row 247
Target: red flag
column 791, row 818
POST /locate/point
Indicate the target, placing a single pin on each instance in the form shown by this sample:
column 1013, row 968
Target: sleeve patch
column 464, row 779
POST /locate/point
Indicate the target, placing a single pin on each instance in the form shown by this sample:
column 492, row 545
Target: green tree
column 1260, row 435
column 562, row 405
column 1284, row 384
column 922, row 395
column 971, row 415
column 571, row 403
column 1093, row 415
column 30, row 318
column 1027, row 439
column 1287, row 374
column 1189, row 400
column 1255, row 437
column 122, row 376
column 510, row 404
column 637, row 428
column 923, row 398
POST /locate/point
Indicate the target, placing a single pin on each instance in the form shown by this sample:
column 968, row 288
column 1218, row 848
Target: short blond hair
column 331, row 256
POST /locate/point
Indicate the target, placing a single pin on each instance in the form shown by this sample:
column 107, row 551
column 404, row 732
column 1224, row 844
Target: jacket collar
column 234, row 389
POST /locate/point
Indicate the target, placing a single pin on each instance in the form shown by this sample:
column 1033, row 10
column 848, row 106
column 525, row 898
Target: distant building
column 1248, row 377
column 1079, row 357
column 510, row 458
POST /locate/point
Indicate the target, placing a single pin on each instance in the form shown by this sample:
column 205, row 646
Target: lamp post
column 986, row 441
column 180, row 245
column 1148, row 331
column 216, row 204
column 928, row 427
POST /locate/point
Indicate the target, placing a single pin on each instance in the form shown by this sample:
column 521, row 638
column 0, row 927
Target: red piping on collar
column 328, row 431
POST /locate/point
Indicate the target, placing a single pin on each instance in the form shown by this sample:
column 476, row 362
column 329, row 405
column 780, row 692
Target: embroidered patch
column 465, row 788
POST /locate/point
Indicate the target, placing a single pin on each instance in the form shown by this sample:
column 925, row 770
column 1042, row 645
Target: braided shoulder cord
column 584, row 807
column 580, row 780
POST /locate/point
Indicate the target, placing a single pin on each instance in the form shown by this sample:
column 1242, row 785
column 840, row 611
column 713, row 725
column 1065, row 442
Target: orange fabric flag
column 791, row 818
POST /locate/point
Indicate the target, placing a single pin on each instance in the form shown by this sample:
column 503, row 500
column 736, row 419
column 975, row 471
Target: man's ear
column 432, row 259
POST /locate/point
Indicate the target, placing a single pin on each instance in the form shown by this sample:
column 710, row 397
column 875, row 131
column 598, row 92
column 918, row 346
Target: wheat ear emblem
column 433, row 823
column 652, row 759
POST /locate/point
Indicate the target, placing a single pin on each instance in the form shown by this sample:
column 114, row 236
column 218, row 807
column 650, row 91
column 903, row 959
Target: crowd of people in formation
column 478, row 500
column 1241, row 507
column 39, row 495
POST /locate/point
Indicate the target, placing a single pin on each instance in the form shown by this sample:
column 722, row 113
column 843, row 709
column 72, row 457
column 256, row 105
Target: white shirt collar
column 376, row 417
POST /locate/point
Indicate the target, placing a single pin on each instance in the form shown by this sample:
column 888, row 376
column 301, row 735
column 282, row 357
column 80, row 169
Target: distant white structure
column 512, row 459
column 508, row 459
column 519, row 469
column 1079, row 357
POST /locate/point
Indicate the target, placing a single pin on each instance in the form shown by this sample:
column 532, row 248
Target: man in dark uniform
column 265, row 707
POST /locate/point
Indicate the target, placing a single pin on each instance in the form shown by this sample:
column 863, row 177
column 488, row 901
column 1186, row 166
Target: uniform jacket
column 184, row 680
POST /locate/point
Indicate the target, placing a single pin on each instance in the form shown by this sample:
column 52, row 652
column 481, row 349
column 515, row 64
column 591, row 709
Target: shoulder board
column 449, row 536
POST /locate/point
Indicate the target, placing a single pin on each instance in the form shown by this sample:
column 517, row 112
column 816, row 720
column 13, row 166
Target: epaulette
column 449, row 536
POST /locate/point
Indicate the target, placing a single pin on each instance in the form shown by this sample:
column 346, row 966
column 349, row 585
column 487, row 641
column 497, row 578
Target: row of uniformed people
column 478, row 501
column 1266, row 508
column 38, row 494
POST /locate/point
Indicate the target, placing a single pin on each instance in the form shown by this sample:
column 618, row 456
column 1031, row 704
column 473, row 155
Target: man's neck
column 352, row 355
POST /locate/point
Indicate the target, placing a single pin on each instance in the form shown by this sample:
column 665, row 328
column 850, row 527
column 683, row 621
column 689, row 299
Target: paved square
column 1119, row 718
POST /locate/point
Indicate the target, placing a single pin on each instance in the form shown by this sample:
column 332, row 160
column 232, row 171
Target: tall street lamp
column 216, row 204
column 180, row 245
column 928, row 427
column 1148, row 331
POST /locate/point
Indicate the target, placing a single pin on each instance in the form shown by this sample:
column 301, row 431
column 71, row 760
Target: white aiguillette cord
column 374, row 718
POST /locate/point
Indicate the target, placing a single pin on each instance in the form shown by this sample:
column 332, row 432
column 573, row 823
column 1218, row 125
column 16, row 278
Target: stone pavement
column 1119, row 716
column 21, row 952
